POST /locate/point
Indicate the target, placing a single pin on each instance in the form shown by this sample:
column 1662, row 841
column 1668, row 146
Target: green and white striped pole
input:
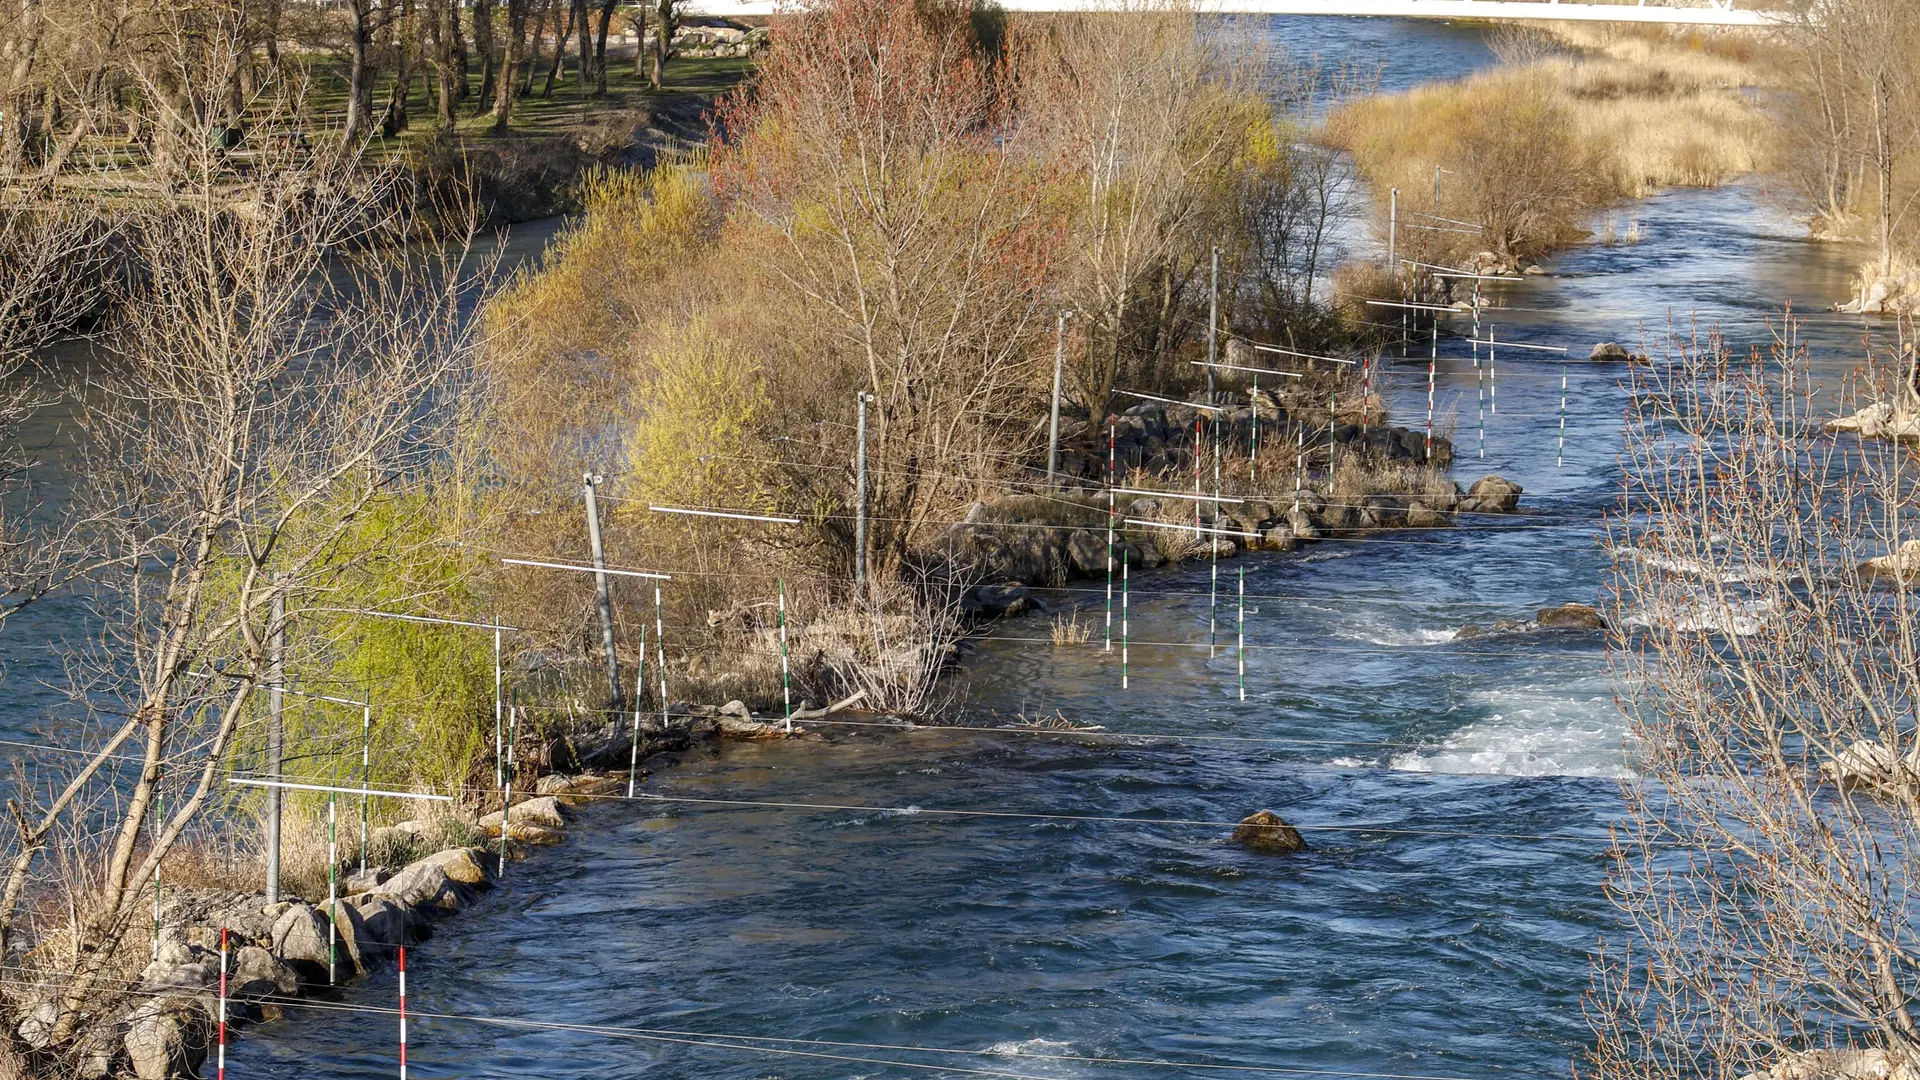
column 786, row 685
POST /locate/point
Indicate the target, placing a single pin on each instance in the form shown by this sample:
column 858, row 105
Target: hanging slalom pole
column 1253, row 440
column 660, row 656
column 1299, row 465
column 1480, row 387
column 1366, row 394
column 1213, row 583
column 333, row 896
column 403, row 1012
column 1493, row 379
column 1240, row 648
column 1561, row 459
column 639, row 697
column 506, row 789
column 1110, row 517
column 1196, row 478
column 1123, row 618
column 786, row 683
column 1433, row 361
column 220, row 1066
column 366, row 769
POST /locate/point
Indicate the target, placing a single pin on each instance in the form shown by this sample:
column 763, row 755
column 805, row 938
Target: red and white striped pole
column 220, row 1067
column 403, row 1012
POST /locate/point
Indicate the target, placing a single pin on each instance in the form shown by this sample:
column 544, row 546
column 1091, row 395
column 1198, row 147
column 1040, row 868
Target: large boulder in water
column 1612, row 352
column 1872, row 766
column 1571, row 617
column 167, row 1036
column 1264, row 831
column 1492, row 494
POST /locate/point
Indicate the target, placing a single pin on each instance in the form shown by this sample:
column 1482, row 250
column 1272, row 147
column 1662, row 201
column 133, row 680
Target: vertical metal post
column 1053, row 423
column 1213, row 320
column 860, row 496
column 588, row 482
column 276, row 704
column 1393, row 234
column 1241, row 645
column 1253, row 439
column 1196, row 477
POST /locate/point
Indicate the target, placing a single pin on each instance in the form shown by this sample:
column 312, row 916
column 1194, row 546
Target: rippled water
column 1453, row 794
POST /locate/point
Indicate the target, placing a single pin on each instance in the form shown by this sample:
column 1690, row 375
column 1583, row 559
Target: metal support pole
column 276, row 705
column 1393, row 232
column 860, row 495
column 1053, row 423
column 588, row 482
column 660, row 655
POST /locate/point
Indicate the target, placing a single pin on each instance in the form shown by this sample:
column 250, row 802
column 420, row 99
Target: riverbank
column 1508, row 165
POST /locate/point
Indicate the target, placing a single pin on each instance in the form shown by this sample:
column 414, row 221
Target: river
column 1442, row 930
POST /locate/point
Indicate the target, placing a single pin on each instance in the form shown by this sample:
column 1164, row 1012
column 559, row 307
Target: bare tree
column 285, row 369
column 1766, row 639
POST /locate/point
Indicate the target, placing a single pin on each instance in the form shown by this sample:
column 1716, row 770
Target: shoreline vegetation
column 1574, row 119
column 297, row 426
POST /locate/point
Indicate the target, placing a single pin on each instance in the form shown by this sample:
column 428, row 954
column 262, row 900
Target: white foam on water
column 1364, row 622
column 1742, row 618
column 1569, row 730
column 1025, row 1047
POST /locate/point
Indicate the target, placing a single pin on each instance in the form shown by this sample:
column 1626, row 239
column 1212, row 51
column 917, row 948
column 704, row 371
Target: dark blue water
column 1454, row 793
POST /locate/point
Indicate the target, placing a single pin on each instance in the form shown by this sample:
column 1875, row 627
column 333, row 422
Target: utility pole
column 588, row 482
column 860, row 497
column 1213, row 321
column 1053, row 424
column 276, row 704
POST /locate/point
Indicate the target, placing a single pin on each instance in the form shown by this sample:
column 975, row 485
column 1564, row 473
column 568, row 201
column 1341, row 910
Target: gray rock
column 300, row 935
column 190, row 978
column 1492, row 495
column 1087, row 553
column 1611, row 352
column 257, row 973
column 1265, row 832
column 1301, row 524
column 1422, row 516
column 167, row 1037
column 998, row 601
column 365, row 880
column 1281, row 538
column 384, row 923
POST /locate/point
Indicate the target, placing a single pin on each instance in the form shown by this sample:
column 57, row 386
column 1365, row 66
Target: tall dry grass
column 1580, row 118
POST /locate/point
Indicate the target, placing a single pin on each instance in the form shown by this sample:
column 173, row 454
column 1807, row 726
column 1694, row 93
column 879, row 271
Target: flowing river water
column 1456, row 795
